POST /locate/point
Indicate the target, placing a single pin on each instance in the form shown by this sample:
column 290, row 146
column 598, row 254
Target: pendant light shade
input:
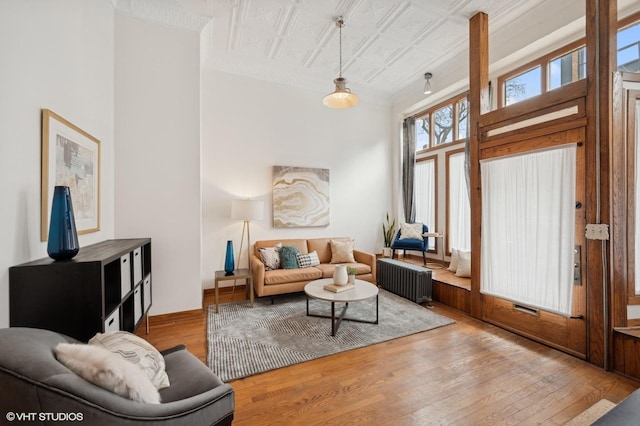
column 341, row 97
column 427, row 84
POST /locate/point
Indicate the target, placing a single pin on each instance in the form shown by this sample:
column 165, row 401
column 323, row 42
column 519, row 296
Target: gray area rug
column 243, row 341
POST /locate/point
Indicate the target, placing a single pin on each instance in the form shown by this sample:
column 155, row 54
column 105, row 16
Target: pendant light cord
column 340, row 25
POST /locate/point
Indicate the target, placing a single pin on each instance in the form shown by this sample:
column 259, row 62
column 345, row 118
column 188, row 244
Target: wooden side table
column 238, row 274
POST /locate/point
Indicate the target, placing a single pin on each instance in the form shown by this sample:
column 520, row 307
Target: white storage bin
column 125, row 275
column 137, row 265
column 112, row 323
column 147, row 292
column 137, row 304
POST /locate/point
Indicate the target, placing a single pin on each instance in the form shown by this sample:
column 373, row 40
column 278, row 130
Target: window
column 459, row 209
column 568, row 68
column 425, row 187
column 423, row 133
column 629, row 48
column 442, row 124
column 528, row 221
column 523, row 86
column 566, row 65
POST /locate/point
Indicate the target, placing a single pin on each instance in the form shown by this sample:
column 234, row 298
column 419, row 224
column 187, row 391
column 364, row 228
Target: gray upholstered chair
column 33, row 381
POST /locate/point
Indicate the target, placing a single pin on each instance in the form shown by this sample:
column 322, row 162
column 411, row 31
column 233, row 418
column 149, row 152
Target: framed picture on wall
column 300, row 197
column 70, row 157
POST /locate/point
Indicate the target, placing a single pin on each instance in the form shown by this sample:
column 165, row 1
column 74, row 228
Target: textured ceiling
column 387, row 44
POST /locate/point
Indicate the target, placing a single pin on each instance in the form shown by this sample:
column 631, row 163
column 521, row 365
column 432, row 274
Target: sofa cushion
column 342, row 251
column 283, row 276
column 288, row 258
column 306, row 260
column 328, row 268
column 137, row 351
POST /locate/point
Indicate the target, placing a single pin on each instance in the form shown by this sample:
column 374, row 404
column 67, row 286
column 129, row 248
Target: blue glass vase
column 63, row 237
column 229, row 263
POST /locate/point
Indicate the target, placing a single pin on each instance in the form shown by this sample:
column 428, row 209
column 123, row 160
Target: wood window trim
column 543, row 63
column 453, row 101
column 544, row 60
column 448, row 154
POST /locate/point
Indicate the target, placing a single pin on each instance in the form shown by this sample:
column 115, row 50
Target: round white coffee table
column 361, row 291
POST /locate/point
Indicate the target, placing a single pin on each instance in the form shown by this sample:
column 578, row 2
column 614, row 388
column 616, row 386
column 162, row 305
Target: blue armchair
column 411, row 244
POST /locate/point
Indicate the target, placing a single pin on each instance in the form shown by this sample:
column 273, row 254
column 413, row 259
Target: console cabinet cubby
column 107, row 286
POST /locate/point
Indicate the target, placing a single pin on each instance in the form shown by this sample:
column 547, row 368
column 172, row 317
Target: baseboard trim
column 192, row 314
column 175, row 317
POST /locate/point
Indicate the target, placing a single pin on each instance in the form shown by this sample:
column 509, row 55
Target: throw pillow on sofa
column 288, row 258
column 342, row 251
column 307, row 260
column 270, row 256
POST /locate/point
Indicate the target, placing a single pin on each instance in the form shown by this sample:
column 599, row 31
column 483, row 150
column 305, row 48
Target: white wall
column 158, row 155
column 56, row 54
column 248, row 126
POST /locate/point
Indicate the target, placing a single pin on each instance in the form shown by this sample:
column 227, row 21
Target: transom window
column 567, row 65
column 445, row 123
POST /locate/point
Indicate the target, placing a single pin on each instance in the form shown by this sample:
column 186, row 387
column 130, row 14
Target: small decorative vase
column 386, row 252
column 63, row 237
column 229, row 263
column 340, row 275
column 351, row 279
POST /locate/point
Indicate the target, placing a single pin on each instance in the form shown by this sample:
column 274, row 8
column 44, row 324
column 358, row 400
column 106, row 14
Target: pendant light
column 427, row 84
column 342, row 97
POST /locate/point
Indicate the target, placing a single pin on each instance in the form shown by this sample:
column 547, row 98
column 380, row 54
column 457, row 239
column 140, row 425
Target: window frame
column 448, row 155
column 542, row 62
column 453, row 101
column 433, row 157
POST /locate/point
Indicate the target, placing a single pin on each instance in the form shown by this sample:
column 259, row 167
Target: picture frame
column 70, row 157
column 301, row 197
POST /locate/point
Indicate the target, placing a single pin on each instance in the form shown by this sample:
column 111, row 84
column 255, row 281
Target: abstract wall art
column 70, row 157
column 300, row 197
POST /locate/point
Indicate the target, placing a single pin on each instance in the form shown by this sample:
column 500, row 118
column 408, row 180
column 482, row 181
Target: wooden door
column 562, row 332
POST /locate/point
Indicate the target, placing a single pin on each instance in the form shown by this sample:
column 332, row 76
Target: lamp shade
column 342, row 97
column 247, row 210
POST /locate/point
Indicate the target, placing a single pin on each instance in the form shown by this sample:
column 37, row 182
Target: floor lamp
column 246, row 210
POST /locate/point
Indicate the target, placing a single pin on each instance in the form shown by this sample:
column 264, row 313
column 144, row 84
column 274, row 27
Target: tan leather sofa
column 280, row 281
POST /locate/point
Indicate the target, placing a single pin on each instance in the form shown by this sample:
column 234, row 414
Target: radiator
column 412, row 282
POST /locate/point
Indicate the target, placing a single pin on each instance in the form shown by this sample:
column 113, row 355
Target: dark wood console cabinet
column 107, row 286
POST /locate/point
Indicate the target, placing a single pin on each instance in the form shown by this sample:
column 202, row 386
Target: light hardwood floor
column 468, row 373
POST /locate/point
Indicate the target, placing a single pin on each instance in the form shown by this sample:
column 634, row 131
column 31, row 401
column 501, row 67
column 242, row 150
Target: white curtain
column 637, row 196
column 459, row 207
column 424, row 190
column 528, row 227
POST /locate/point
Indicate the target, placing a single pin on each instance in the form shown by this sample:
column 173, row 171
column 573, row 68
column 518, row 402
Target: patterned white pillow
column 137, row 351
column 307, row 260
column 270, row 256
column 342, row 251
column 411, row 231
column 106, row 369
